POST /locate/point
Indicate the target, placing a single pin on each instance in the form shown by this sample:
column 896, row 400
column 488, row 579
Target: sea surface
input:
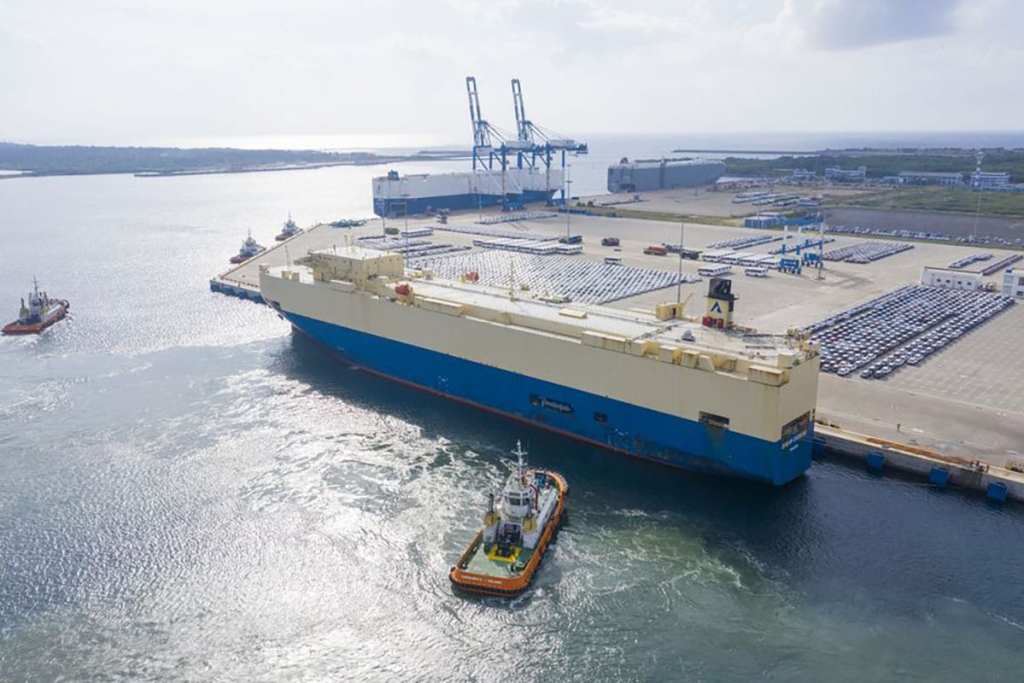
column 189, row 492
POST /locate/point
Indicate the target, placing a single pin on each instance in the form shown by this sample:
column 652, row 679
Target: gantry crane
column 489, row 143
column 534, row 140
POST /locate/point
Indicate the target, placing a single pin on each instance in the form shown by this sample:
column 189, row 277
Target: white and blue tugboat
column 250, row 248
column 289, row 230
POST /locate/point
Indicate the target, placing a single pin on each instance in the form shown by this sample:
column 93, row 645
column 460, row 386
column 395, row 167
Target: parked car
column 610, row 242
column 655, row 250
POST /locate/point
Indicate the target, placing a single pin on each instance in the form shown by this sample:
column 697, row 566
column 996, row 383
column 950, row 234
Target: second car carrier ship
column 686, row 393
column 400, row 195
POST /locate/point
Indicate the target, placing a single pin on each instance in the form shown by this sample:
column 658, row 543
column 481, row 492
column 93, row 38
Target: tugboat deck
column 498, row 567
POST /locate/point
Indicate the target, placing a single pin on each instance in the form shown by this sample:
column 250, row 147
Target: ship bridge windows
column 712, row 420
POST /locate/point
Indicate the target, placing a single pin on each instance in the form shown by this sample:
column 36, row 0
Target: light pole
column 679, row 274
column 568, row 199
column 384, row 213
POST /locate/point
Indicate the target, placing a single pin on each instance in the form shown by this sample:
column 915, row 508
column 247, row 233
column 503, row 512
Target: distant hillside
column 75, row 160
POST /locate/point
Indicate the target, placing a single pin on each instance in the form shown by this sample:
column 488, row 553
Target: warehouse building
column 802, row 175
column 1013, row 283
column 840, row 175
column 930, row 178
column 990, row 180
column 950, row 279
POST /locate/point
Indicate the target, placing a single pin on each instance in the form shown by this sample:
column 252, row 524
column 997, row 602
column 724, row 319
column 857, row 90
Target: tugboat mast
column 519, row 453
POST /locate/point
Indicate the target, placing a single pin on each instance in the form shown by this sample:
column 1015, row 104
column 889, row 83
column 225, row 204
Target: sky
column 386, row 72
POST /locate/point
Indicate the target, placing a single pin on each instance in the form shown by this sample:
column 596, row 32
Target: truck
column 656, row 250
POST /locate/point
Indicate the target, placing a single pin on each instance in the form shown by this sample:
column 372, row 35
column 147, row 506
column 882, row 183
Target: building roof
column 932, row 174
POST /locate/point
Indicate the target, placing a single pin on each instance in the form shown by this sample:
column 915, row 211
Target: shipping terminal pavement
column 965, row 402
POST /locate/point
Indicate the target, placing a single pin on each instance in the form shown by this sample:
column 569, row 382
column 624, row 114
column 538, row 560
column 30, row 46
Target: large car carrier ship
column 400, row 195
column 645, row 175
column 693, row 394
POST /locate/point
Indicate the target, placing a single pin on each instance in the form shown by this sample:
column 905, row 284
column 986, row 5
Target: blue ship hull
column 604, row 422
column 455, row 202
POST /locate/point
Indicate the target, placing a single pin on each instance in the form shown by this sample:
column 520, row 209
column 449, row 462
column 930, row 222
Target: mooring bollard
column 939, row 477
column 996, row 492
column 875, row 462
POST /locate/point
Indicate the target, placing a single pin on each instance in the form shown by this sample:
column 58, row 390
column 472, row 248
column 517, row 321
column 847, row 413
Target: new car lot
column 903, row 327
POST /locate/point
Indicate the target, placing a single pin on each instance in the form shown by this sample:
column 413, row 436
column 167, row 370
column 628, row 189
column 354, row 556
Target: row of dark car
column 925, row 235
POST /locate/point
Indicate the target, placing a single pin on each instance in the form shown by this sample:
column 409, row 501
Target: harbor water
column 190, row 492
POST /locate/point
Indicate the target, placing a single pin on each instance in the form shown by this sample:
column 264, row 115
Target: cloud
column 123, row 71
column 853, row 24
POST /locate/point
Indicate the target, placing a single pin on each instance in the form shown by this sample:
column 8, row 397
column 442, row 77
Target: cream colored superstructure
column 758, row 382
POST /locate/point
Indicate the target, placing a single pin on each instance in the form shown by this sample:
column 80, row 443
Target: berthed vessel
column 290, row 229
column 250, row 247
column 695, row 394
column 401, row 195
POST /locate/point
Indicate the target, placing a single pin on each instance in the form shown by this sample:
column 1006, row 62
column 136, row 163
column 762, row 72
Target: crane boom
column 523, row 126
column 481, row 134
column 532, row 142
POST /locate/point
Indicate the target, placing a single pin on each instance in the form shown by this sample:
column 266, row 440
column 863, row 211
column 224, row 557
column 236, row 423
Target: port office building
column 930, row 178
column 990, row 180
column 662, row 174
column 950, row 278
column 844, row 175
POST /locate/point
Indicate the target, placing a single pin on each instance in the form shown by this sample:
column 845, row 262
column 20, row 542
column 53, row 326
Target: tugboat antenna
column 519, row 453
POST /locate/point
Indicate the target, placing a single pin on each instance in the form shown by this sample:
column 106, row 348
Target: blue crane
column 534, row 140
column 489, row 143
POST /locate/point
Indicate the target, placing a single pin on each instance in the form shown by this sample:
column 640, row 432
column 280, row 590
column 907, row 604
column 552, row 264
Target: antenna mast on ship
column 519, row 453
column 565, row 203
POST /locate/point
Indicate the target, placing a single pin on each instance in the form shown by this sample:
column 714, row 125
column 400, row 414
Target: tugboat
column 249, row 249
column 290, row 229
column 503, row 557
column 41, row 312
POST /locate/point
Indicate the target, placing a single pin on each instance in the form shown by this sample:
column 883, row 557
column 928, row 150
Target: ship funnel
column 721, row 303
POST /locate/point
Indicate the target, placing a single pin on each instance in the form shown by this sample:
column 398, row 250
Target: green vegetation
column 73, row 160
column 936, row 199
column 882, row 163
